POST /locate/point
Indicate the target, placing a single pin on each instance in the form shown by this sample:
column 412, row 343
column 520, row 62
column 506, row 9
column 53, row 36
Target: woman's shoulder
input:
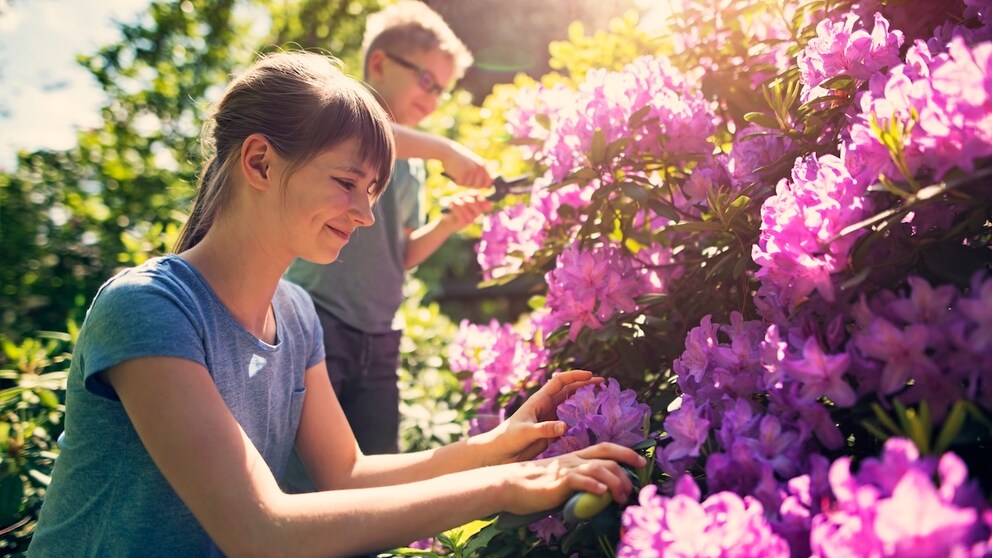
column 161, row 276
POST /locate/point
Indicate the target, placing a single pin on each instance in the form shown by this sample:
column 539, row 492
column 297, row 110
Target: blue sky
column 44, row 94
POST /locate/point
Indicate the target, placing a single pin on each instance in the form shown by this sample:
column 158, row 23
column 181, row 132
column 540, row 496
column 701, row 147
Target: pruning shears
column 504, row 186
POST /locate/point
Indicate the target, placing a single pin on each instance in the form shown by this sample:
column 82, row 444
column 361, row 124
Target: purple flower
column 600, row 413
column 549, row 529
column 843, row 48
column 723, row 525
column 587, row 287
column 916, row 521
column 822, row 374
column 688, row 430
column 902, row 350
column 892, row 508
column 800, row 246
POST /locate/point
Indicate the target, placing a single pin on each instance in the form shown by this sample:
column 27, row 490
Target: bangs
column 354, row 115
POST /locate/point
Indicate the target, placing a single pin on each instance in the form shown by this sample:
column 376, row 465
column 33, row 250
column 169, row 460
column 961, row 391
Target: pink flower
column 822, row 374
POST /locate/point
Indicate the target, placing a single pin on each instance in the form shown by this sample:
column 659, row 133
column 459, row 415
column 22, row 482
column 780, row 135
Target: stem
column 604, row 545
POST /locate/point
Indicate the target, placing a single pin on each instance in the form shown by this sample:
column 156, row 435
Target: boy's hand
column 465, row 167
column 463, row 209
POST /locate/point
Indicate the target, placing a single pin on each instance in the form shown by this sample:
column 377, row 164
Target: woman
column 195, row 373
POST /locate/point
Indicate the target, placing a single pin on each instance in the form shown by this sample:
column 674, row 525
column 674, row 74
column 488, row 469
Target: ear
column 374, row 68
column 257, row 156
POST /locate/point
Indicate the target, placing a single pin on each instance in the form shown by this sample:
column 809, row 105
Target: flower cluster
column 502, row 361
column 724, row 524
column 594, row 414
column 587, row 287
column 723, row 373
column 681, row 119
column 845, row 48
column 933, row 345
column 801, row 246
column 891, row 507
column 600, row 413
column 848, row 309
column 937, row 106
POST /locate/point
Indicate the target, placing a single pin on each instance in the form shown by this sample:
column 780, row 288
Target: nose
column 361, row 211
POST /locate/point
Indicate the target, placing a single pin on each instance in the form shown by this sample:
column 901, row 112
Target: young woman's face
column 325, row 201
column 411, row 83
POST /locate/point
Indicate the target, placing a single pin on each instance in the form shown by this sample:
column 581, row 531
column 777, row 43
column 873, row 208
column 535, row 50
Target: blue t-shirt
column 107, row 498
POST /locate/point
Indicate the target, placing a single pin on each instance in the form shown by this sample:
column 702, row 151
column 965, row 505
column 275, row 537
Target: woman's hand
column 529, row 431
column 541, row 485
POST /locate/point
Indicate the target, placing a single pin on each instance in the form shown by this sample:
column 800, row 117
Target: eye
column 346, row 184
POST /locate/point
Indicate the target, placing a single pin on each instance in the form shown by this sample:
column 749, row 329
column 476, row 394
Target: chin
column 322, row 259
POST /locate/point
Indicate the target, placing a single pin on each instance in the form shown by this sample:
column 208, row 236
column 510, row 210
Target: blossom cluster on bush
column 889, row 507
column 595, row 413
column 848, row 220
column 589, row 286
column 503, row 361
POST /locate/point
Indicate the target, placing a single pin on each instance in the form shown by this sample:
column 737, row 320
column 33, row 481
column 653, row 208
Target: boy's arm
column 463, row 165
column 424, row 241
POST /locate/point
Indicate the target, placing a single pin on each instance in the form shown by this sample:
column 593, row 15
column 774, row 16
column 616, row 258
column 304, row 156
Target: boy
column 411, row 59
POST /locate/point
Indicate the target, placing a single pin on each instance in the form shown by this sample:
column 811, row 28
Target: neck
column 238, row 265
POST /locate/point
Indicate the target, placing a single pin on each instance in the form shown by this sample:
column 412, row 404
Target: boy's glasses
column 425, row 79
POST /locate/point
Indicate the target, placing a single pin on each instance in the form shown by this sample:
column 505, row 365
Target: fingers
column 465, row 209
column 533, row 450
column 562, row 380
column 602, row 475
column 570, row 381
column 614, row 452
column 479, row 178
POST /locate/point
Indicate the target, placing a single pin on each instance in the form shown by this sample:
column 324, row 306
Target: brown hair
column 411, row 25
column 303, row 104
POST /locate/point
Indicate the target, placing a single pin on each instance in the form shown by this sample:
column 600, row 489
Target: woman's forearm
column 379, row 470
column 349, row 522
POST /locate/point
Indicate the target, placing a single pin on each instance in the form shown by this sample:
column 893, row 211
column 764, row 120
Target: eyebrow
column 352, row 169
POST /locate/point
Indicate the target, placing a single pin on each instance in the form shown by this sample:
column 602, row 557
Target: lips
column 340, row 233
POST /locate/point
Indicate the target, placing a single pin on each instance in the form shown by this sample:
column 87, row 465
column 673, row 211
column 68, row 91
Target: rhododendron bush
column 770, row 229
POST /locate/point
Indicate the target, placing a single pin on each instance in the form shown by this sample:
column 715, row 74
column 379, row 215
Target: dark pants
column 362, row 367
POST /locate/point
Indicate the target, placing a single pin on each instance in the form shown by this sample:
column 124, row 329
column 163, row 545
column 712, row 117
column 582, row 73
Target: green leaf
column 951, row 428
column 635, row 192
column 406, row 551
column 761, row 119
column 597, row 152
column 48, row 398
column 481, row 540
column 742, row 202
column 637, row 118
column 886, row 420
column 584, row 175
column 695, row 226
column 11, row 497
column 664, row 209
column 458, row 537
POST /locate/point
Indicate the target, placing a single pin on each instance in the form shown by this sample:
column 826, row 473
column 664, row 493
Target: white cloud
column 47, row 95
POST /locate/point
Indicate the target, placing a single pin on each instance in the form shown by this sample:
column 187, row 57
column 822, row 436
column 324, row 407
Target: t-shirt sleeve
column 314, row 332
column 133, row 317
column 414, row 195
